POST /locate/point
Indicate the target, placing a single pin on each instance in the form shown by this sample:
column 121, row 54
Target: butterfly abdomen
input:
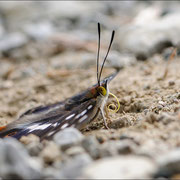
column 6, row 133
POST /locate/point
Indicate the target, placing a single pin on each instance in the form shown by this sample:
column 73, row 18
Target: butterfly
column 76, row 111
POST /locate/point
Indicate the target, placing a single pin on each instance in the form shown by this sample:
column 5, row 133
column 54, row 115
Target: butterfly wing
column 43, row 119
column 78, row 117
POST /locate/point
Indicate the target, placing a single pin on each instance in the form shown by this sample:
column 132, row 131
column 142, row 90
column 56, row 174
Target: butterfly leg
column 107, row 113
column 104, row 119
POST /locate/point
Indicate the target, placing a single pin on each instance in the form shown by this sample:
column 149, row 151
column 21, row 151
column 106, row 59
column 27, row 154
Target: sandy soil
column 150, row 103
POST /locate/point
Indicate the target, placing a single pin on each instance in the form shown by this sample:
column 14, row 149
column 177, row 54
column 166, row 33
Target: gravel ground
column 49, row 56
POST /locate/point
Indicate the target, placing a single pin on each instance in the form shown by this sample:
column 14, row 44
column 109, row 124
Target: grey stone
column 120, row 147
column 152, row 37
column 166, row 118
column 119, row 123
column 34, row 148
column 12, row 41
column 45, row 29
column 68, row 137
column 74, row 167
column 107, row 151
column 51, row 173
column 120, row 167
column 91, row 145
column 15, row 161
column 119, row 60
column 169, row 164
column 50, row 153
column 75, row 150
column 64, row 9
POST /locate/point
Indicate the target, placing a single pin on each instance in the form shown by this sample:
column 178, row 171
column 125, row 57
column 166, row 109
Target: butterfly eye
column 102, row 90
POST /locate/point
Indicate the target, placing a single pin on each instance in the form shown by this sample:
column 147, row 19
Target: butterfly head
column 100, row 91
column 103, row 89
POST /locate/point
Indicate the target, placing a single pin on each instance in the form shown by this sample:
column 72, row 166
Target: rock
column 73, row 168
column 169, row 164
column 21, row 73
column 7, row 68
column 151, row 118
column 34, row 148
column 16, row 163
column 174, row 98
column 12, row 41
column 50, row 153
column 6, row 85
column 123, row 121
column 119, row 147
column 45, row 29
column 171, row 83
column 30, row 139
column 32, row 143
column 120, row 122
column 152, row 37
column 75, row 150
column 15, row 13
column 107, row 150
column 166, row 118
column 118, row 60
column 120, row 167
column 50, row 173
column 68, row 137
column 68, row 59
column 62, row 10
column 91, row 145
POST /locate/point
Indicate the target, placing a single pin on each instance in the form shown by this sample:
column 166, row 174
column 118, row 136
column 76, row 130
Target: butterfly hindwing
column 78, row 117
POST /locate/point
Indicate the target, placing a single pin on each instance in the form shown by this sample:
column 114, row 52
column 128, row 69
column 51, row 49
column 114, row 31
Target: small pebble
column 171, row 83
column 75, row 150
column 169, row 164
column 73, row 167
column 68, row 137
column 50, row 153
column 12, row 41
column 34, row 148
column 120, row 147
column 29, row 139
column 91, row 145
column 50, row 173
column 16, row 162
column 162, row 103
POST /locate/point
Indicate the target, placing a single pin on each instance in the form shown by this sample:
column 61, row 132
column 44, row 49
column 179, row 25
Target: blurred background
column 64, row 34
column 34, row 29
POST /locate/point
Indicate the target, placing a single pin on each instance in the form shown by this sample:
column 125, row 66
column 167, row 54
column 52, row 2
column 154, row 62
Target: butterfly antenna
column 112, row 37
column 99, row 37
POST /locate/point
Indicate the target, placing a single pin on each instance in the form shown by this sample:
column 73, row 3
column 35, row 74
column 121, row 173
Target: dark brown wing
column 78, row 117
